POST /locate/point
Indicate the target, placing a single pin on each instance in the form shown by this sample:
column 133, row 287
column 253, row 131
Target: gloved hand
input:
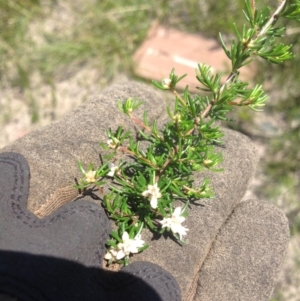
column 234, row 251
column 59, row 257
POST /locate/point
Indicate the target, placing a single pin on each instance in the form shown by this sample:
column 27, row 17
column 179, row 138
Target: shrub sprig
column 159, row 171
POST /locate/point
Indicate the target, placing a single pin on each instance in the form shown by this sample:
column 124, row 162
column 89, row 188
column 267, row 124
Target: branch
column 179, row 97
column 273, row 18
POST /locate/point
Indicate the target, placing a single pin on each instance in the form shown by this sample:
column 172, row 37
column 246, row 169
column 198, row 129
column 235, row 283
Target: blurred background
column 55, row 54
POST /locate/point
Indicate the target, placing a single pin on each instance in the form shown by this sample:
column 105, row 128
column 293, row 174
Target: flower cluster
column 124, row 248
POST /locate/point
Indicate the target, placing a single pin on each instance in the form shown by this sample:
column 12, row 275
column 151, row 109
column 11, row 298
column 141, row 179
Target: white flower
column 174, row 222
column 113, row 169
column 166, row 83
column 129, row 245
column 111, row 254
column 112, row 143
column 90, row 176
column 153, row 193
column 125, row 247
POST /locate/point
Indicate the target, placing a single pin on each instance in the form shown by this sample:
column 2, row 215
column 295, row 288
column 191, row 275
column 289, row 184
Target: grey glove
column 59, row 257
column 234, row 251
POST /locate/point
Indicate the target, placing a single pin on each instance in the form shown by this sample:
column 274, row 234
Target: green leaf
column 292, row 12
column 81, row 167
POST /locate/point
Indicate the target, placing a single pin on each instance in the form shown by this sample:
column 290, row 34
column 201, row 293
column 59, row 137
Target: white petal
column 111, row 174
column 181, row 219
column 145, row 193
column 120, row 255
column 108, row 256
column 153, row 202
column 138, row 241
column 178, row 219
column 166, row 222
column 177, row 211
column 180, row 230
column 158, row 195
column 150, row 188
column 125, row 236
column 133, row 249
column 140, row 244
column 111, row 165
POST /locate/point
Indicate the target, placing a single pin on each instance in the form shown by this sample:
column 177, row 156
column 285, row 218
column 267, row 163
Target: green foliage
column 15, row 17
column 106, row 33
